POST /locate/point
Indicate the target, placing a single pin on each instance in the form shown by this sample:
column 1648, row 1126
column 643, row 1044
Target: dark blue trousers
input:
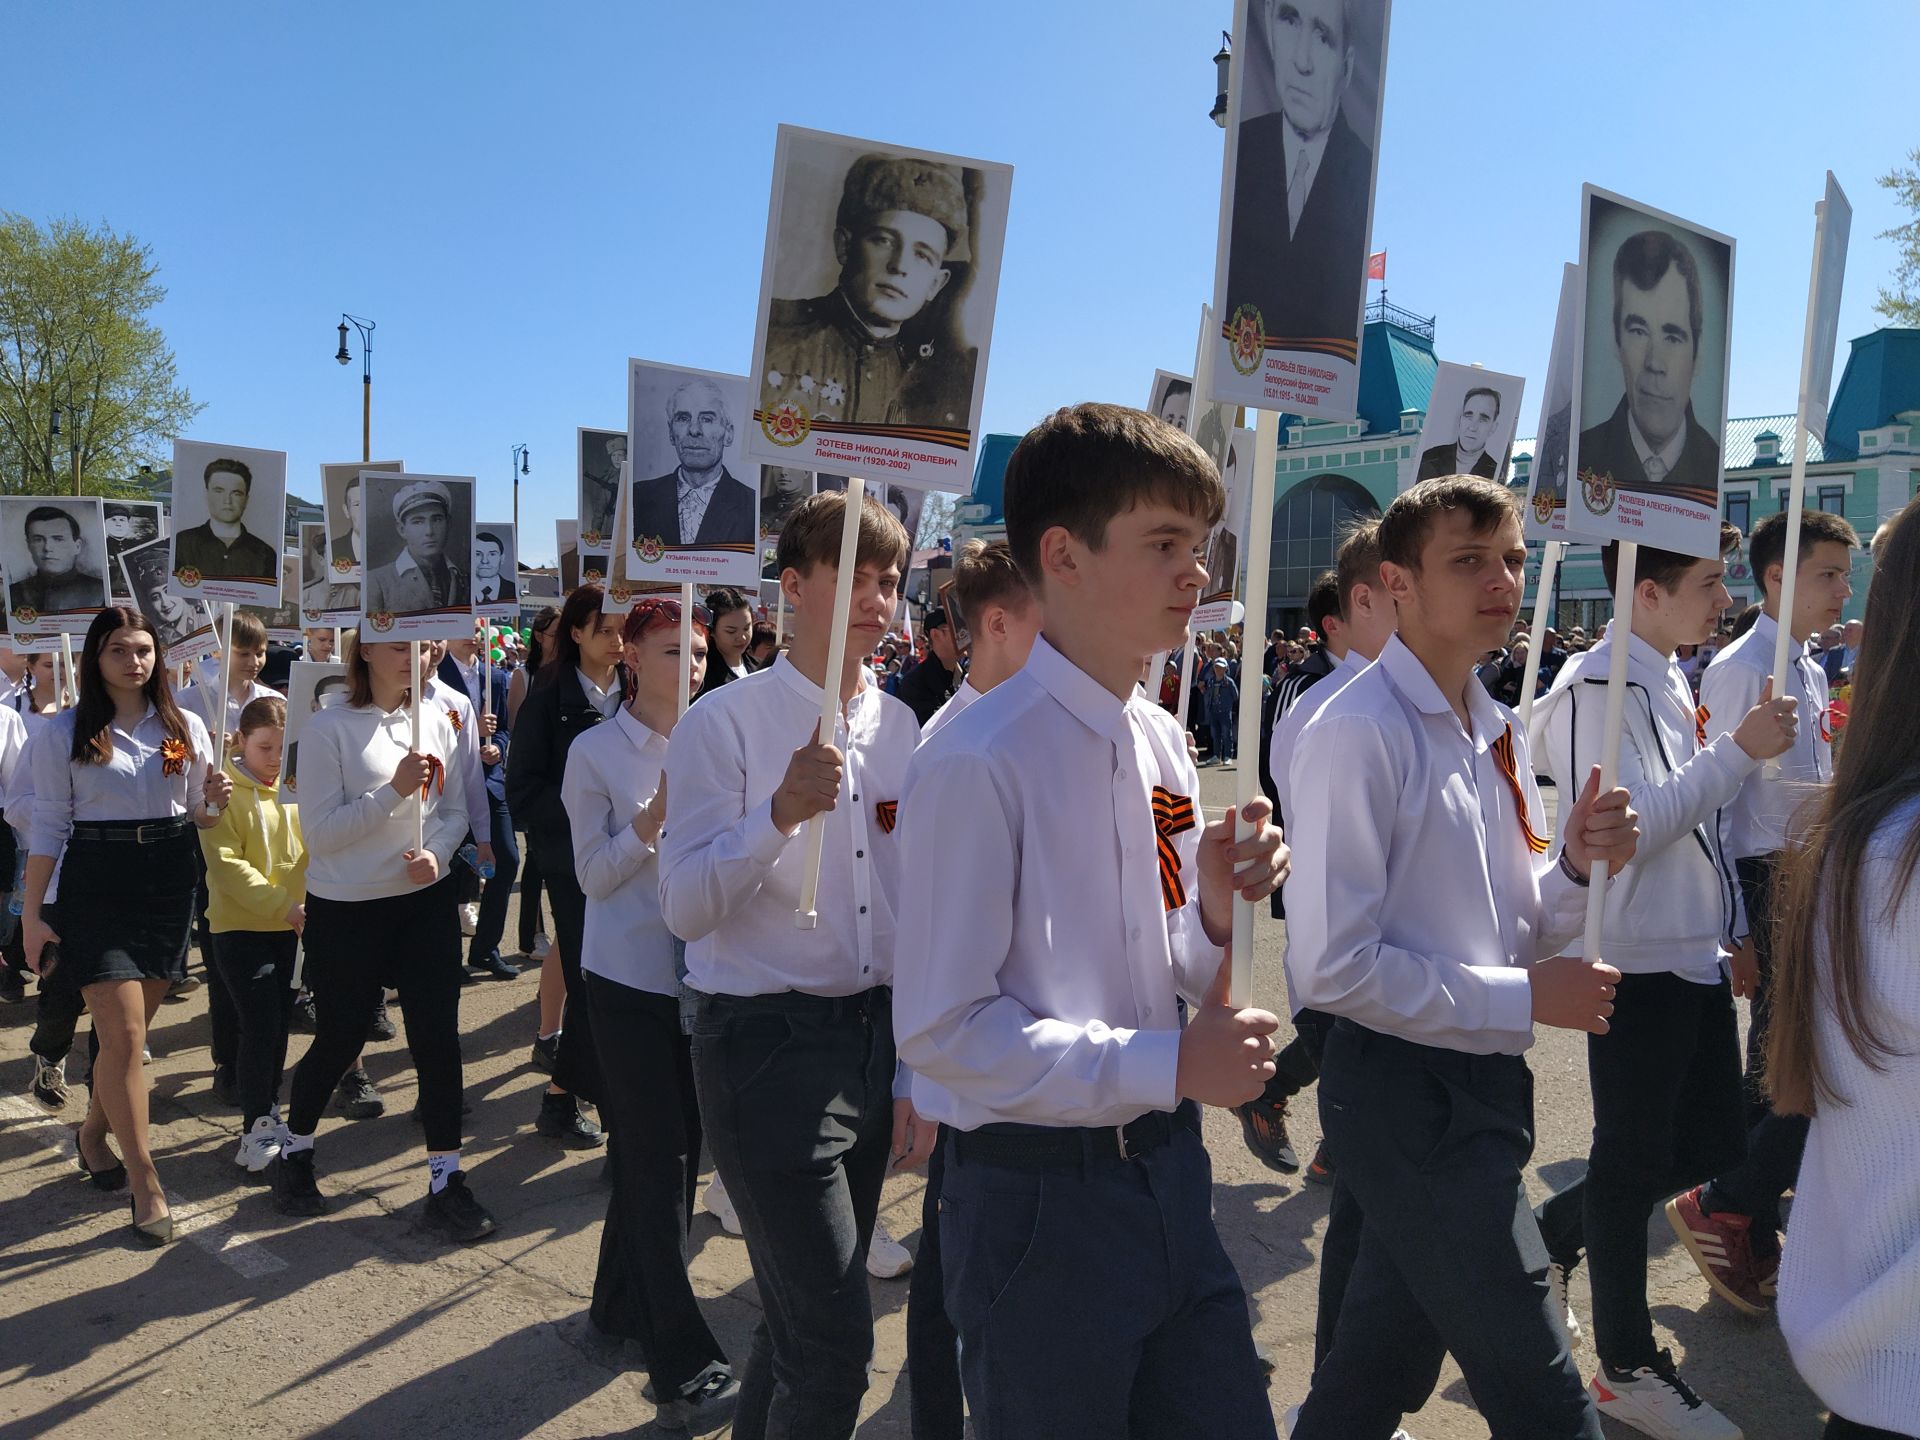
column 1095, row 1299
column 499, row 890
column 933, row 1349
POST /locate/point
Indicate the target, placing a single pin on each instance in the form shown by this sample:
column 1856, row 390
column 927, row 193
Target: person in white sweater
column 1845, row 1040
column 380, row 911
column 1668, row 1107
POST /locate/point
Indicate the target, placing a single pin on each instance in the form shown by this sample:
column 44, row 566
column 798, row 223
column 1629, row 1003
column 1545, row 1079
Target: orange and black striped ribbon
column 436, row 776
column 1503, row 757
column 887, row 813
column 453, row 717
column 1700, row 717
column 1172, row 815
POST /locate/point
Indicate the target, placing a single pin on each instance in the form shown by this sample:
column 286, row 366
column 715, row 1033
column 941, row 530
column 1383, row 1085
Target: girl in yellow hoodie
column 256, row 910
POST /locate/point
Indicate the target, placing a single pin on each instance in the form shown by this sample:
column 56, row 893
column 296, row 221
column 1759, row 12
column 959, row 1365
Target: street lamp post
column 1222, row 62
column 366, row 328
column 516, row 467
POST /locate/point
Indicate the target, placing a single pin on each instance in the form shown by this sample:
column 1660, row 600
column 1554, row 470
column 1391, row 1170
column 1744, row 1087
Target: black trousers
column 1775, row 1142
column 797, row 1095
column 1668, row 1112
column 492, row 928
column 933, row 1345
column 577, row 1069
column 356, row 947
column 641, row 1291
column 530, row 883
column 1841, row 1428
column 1433, row 1144
column 254, row 969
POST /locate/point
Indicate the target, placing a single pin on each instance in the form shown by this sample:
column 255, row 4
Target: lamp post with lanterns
column 1222, row 62
column 516, row 467
column 365, row 327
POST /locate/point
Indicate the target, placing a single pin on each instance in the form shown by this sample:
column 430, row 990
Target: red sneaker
column 1722, row 1246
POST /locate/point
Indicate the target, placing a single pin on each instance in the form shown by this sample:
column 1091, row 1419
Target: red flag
column 1377, row 266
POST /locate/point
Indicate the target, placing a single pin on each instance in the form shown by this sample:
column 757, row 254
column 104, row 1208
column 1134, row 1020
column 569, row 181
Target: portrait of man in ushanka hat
column 426, row 574
column 868, row 354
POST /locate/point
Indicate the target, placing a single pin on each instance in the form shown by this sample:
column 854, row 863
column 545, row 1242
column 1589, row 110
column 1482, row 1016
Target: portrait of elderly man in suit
column 1302, row 180
column 1467, row 453
column 698, row 502
column 423, row 576
column 1651, row 443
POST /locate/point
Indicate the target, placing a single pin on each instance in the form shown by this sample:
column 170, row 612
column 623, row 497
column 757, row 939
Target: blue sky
column 523, row 196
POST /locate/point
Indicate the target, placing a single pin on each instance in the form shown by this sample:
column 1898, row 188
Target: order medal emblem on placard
column 1247, row 332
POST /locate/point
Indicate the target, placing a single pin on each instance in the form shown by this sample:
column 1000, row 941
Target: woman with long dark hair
column 120, row 783
column 729, row 626
column 1844, row 1045
column 579, row 686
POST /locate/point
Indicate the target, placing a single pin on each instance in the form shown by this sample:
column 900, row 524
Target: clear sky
column 523, row 196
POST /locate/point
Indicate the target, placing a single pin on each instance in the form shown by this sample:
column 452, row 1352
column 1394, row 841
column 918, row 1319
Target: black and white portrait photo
column 602, row 459
column 495, row 566
column 906, row 504
column 416, row 537
column 1303, row 129
column 1653, row 375
column 312, row 686
column 340, row 500
column 130, row 523
column 876, row 308
column 229, row 513
column 1471, row 418
column 781, row 488
column 54, row 551
column 693, row 513
column 315, row 588
column 566, row 539
column 185, row 626
column 1547, row 516
column 283, row 620
column 1171, row 398
column 1222, row 560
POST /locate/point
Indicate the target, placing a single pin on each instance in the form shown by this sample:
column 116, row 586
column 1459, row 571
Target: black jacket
column 925, row 688
column 552, row 716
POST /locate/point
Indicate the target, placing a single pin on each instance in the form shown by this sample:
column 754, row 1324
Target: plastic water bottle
column 468, row 855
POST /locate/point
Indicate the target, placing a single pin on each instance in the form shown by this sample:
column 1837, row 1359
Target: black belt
column 799, row 1002
column 133, row 832
column 1037, row 1147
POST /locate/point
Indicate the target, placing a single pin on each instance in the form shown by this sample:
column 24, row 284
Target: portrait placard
column 566, row 539
column 1227, row 543
column 416, row 537
column 1296, row 204
column 229, row 514
column 601, row 461
column 1830, row 245
column 315, row 587
column 876, row 309
column 1655, row 324
column 312, row 686
column 496, row 570
column 782, row 488
column 906, row 505
column 1547, row 516
column 53, row 550
column 1471, row 418
column 340, row 504
column 185, row 626
column 690, row 517
column 1171, row 398
column 282, row 620
column 130, row 523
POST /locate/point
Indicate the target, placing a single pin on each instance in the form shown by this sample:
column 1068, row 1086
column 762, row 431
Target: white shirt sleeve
column 52, row 769
column 715, row 852
column 332, row 822
column 602, row 862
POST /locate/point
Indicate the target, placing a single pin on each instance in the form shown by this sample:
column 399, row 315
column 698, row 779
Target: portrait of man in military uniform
column 413, row 565
column 603, row 454
column 53, row 550
column 143, row 570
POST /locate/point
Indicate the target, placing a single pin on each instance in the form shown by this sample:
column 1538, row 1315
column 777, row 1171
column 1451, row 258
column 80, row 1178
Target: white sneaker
column 1655, row 1401
column 719, row 1206
column 1557, row 1282
column 541, row 945
column 887, row 1258
column 260, row 1146
column 470, row 918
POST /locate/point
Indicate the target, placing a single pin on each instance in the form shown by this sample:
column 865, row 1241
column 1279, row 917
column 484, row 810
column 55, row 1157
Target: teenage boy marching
column 1423, row 909
column 1039, row 978
column 1668, row 1109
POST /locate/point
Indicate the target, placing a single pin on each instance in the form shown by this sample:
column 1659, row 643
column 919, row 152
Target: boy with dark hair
column 1422, row 913
column 1040, row 980
column 1002, row 620
column 793, row 1052
column 1665, row 1077
column 1731, row 1224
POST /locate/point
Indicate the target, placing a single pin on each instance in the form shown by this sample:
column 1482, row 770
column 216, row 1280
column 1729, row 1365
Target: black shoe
column 112, row 1177
column 560, row 1119
column 546, row 1053
column 1263, row 1125
column 381, row 1027
column 294, row 1192
column 357, row 1098
column 492, row 964
column 13, row 986
column 455, row 1214
column 304, row 1016
column 704, row 1400
column 223, row 1085
column 1320, row 1168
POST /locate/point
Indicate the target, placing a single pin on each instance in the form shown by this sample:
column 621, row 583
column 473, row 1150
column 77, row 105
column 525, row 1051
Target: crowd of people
column 1014, row 970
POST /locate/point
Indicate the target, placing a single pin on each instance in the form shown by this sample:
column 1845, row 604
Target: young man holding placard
column 1039, row 981
column 1423, row 908
column 1731, row 1224
column 793, row 1048
column 1665, row 1077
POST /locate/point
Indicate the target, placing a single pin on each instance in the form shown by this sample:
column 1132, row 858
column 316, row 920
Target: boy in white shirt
column 1667, row 1104
column 1421, row 913
column 1731, row 1224
column 1039, row 979
column 246, row 657
column 793, row 1052
column 1001, row 619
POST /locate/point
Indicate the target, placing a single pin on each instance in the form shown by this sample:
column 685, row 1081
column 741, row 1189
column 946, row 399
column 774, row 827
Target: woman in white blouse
column 615, row 795
column 120, row 782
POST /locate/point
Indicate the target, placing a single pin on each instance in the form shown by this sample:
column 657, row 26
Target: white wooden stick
column 220, row 715
column 1254, row 545
column 413, row 716
column 1185, row 696
column 1610, row 730
column 1542, row 602
column 299, row 964
column 808, row 916
column 686, row 650
column 67, row 684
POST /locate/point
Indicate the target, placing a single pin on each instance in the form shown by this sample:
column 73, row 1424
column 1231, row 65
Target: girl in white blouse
column 120, row 782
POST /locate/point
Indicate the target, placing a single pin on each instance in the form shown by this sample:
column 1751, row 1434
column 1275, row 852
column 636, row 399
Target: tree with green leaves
column 76, row 338
column 1901, row 304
